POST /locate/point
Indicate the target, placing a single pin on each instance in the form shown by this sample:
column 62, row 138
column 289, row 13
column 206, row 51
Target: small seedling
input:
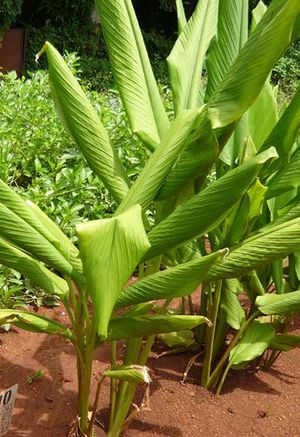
column 37, row 375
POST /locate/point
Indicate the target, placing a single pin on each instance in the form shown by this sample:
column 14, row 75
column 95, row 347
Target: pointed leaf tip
column 110, row 250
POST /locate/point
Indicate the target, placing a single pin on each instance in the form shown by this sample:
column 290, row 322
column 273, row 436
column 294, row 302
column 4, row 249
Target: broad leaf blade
column 35, row 323
column 57, row 237
column 241, row 218
column 231, row 36
column 195, row 160
column 275, row 242
column 21, row 234
column 187, row 56
column 153, row 175
column 291, row 212
column 207, row 209
column 140, row 326
column 132, row 70
column 110, row 250
column 287, row 179
column 39, row 275
column 285, row 342
column 32, row 215
column 256, row 339
column 173, row 282
column 247, row 75
column 279, row 303
column 265, row 104
column 284, row 133
column 83, row 124
column 235, row 315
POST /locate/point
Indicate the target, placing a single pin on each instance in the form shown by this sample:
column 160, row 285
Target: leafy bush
column 60, row 13
column 9, row 10
column 287, row 71
column 87, row 41
column 84, row 39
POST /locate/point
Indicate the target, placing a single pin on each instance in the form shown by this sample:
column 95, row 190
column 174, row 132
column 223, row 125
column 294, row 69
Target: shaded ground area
column 252, row 404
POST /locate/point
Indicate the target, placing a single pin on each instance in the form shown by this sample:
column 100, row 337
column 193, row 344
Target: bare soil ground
column 252, row 404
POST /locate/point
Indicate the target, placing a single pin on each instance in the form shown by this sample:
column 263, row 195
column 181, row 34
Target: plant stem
column 113, row 382
column 92, row 420
column 122, row 411
column 213, row 377
column 70, row 314
column 273, row 357
column 200, row 330
column 191, row 305
column 150, row 340
column 222, row 379
column 123, row 399
column 84, row 378
column 183, row 305
column 127, row 390
column 210, row 336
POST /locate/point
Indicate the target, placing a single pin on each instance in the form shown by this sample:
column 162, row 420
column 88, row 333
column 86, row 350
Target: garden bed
column 253, row 402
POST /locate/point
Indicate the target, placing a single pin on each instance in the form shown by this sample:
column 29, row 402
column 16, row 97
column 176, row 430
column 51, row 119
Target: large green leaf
column 207, row 209
column 160, row 163
column 256, row 339
column 279, row 303
column 84, row 125
column 291, row 212
column 132, row 70
column 140, row 326
column 275, row 242
column 240, row 220
column 287, row 179
column 247, row 75
column 235, row 315
column 39, row 275
column 239, row 145
column 16, row 230
column 57, row 237
column 195, row 160
column 266, row 101
column 110, row 250
column 35, row 323
column 231, row 36
column 285, row 342
column 284, row 133
column 187, row 56
column 32, row 215
column 170, row 283
column 264, row 104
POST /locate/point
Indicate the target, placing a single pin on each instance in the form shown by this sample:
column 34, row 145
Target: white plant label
column 7, row 400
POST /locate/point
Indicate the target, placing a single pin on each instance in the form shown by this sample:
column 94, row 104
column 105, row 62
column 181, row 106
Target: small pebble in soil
column 49, row 398
column 262, row 414
column 230, row 410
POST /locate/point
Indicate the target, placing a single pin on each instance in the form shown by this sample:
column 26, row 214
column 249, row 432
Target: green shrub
column 287, row 71
column 9, row 10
